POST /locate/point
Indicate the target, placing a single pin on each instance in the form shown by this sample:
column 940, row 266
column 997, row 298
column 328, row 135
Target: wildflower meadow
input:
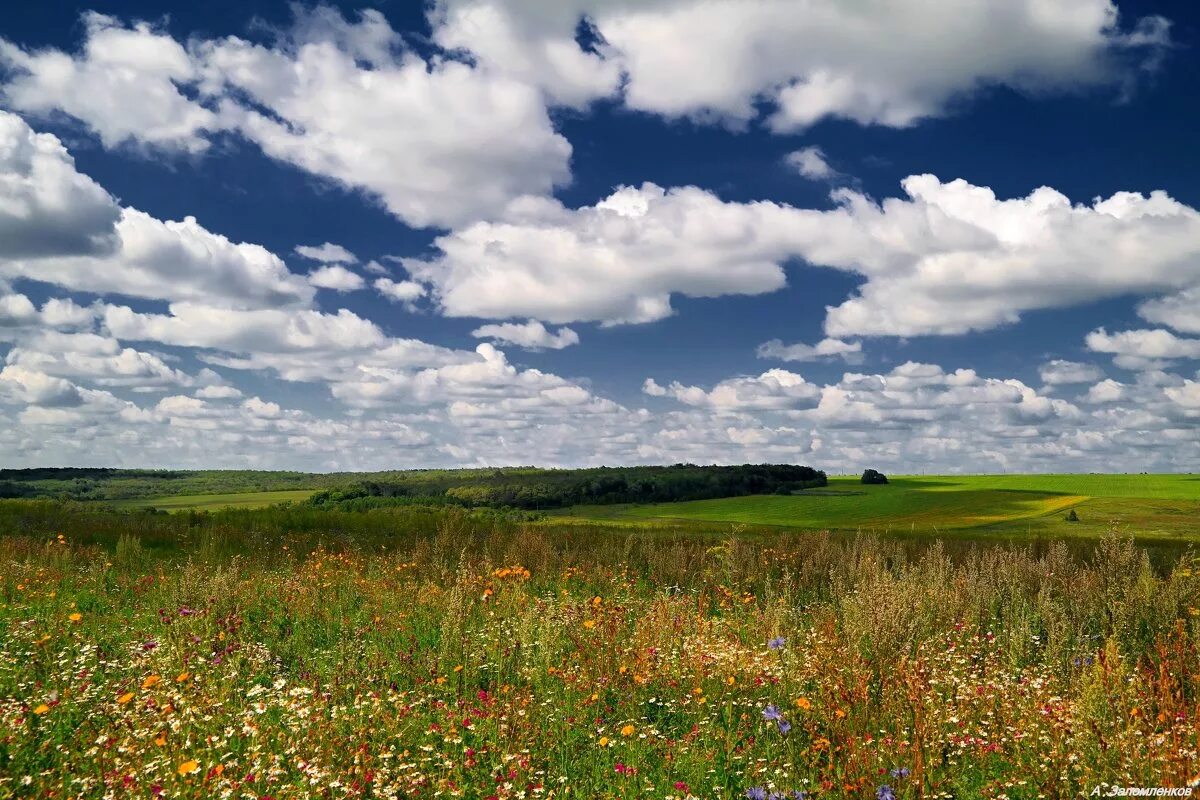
column 434, row 653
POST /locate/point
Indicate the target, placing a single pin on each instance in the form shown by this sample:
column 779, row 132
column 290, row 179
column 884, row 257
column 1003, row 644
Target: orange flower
column 151, row 681
column 188, row 767
column 41, row 709
column 627, row 730
column 75, row 616
column 589, row 623
column 125, row 698
column 604, row 741
column 803, row 703
column 181, row 677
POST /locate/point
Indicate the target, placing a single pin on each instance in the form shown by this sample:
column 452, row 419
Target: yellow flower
column 75, row 616
column 41, row 709
column 188, row 767
column 150, row 681
column 589, row 623
column 627, row 730
column 125, row 698
column 604, row 741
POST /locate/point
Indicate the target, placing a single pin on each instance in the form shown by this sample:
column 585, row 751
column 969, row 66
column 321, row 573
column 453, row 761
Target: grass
column 1159, row 507
column 202, row 502
column 291, row 653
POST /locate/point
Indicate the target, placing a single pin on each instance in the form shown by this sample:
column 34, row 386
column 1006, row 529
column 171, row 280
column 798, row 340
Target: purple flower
column 798, row 795
column 885, row 792
column 756, row 793
column 900, row 772
column 149, row 645
column 777, row 643
column 784, row 726
column 771, row 713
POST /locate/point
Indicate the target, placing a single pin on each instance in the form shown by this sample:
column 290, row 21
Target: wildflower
column 604, row 741
column 771, row 713
column 784, row 726
column 900, row 772
column 41, row 709
column 627, row 730
column 885, row 792
column 803, row 703
column 75, row 616
column 681, row 786
column 125, row 698
column 188, row 767
column 777, row 643
column 151, row 681
column 589, row 623
column 756, row 793
column 182, row 677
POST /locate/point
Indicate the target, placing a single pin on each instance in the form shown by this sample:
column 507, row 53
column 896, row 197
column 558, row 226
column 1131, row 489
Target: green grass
column 1148, row 506
column 198, row 502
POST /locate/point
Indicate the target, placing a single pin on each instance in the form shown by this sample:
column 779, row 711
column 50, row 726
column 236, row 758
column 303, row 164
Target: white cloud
column 531, row 335
column 1181, row 311
column 97, row 359
column 811, row 163
column 124, row 84
column 618, row 261
column 1059, row 372
column 826, row 348
column 46, row 206
column 438, row 143
column 1106, row 391
column 337, row 278
column 772, row 390
column 57, row 226
column 1187, row 396
column 1143, row 349
column 399, row 291
column 887, row 63
column 36, row 388
column 954, row 258
column 327, row 253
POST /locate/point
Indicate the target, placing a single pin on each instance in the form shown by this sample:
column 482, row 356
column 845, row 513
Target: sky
column 911, row 235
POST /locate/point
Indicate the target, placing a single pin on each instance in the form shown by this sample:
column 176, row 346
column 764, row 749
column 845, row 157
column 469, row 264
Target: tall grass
column 414, row 653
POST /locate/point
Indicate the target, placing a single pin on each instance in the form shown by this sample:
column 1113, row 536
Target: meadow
column 418, row 652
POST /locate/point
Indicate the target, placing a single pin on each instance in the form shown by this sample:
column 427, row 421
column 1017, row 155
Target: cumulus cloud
column 337, row 278
column 1180, row 311
column 1106, row 391
column 125, row 83
column 46, row 206
column 618, row 261
column 531, row 335
column 811, row 163
column 885, row 63
column 824, row 349
column 772, row 390
column 946, row 259
column 58, row 226
column 399, row 291
column 100, row 360
column 1059, row 371
column 1143, row 349
column 327, row 253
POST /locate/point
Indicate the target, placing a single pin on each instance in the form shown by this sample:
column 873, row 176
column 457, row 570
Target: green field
column 1148, row 506
column 199, row 502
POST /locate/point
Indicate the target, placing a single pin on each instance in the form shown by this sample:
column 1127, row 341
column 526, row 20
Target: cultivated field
column 430, row 652
column 1150, row 507
column 200, row 502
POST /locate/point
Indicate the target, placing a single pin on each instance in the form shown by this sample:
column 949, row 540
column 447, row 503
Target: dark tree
column 873, row 476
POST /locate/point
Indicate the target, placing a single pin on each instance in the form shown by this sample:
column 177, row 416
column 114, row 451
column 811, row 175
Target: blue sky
column 568, row 233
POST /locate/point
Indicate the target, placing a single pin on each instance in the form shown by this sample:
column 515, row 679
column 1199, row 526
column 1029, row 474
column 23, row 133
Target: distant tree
column 1072, row 516
column 873, row 477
